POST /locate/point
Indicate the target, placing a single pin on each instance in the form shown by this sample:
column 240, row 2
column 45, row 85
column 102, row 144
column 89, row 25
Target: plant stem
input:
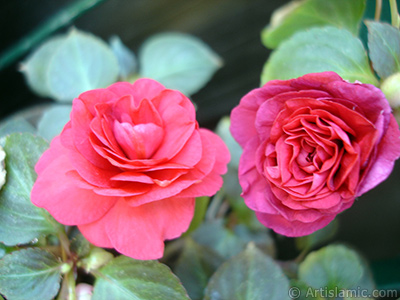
column 214, row 206
column 64, row 241
column 394, row 13
column 67, row 291
column 56, row 250
column 60, row 19
column 378, row 10
column 223, row 209
column 302, row 255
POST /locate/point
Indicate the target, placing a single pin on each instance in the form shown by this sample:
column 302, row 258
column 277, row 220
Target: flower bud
column 84, row 291
column 391, row 88
column 96, row 259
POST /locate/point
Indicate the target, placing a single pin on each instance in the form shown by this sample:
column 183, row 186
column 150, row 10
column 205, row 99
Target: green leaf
column 178, row 61
column 15, row 124
column 317, row 238
column 333, row 267
column 228, row 243
column 301, row 291
column 232, row 189
column 79, row 244
column 301, row 15
column 215, row 236
column 53, row 121
column 250, row 275
column 36, row 66
column 67, row 65
column 127, row 279
column 3, row 172
column 318, row 50
column 199, row 213
column 82, row 62
column 21, row 221
column 126, row 58
column 3, row 250
column 223, row 131
column 195, row 266
column 260, row 237
column 31, row 273
column 384, row 48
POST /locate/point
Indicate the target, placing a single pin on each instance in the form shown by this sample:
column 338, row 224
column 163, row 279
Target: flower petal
column 81, row 132
column 139, row 232
column 96, row 234
column 256, row 189
column 195, row 174
column 96, row 97
column 140, row 89
column 178, row 115
column 58, row 197
column 243, row 116
column 292, row 228
column 212, row 182
column 388, row 151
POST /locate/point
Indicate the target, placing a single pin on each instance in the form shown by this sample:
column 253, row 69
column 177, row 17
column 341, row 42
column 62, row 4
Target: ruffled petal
column 256, row 189
column 179, row 120
column 388, row 151
column 96, row 233
column 212, row 182
column 140, row 89
column 55, row 150
column 189, row 178
column 292, row 228
column 64, row 197
column 243, row 116
column 80, row 134
column 139, row 232
column 95, row 97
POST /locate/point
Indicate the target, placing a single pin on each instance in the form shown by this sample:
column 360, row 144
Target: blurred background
column 232, row 29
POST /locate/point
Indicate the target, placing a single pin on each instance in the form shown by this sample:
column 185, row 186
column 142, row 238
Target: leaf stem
column 394, row 13
column 64, row 241
column 378, row 10
column 302, row 255
column 223, row 209
column 57, row 21
column 213, row 209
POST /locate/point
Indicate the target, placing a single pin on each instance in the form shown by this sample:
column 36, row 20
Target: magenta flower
column 311, row 146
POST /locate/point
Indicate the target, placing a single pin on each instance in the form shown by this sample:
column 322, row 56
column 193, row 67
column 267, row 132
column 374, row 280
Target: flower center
column 310, row 156
column 138, row 141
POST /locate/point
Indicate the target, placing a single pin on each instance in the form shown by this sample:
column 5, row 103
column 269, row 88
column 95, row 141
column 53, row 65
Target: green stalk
column 213, row 209
column 57, row 21
column 68, row 286
column 378, row 10
column 64, row 245
column 394, row 13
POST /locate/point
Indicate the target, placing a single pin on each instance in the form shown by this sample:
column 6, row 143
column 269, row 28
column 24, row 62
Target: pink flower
column 127, row 168
column 311, row 145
